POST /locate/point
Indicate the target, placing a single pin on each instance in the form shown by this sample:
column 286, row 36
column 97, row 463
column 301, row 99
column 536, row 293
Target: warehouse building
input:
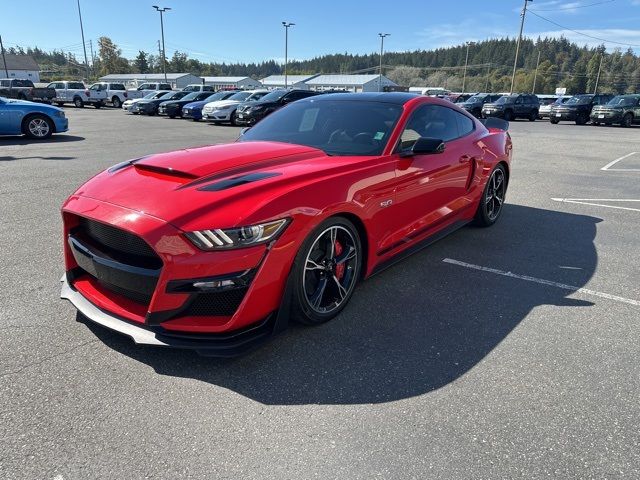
column 293, row 81
column 19, row 66
column 351, row 83
column 131, row 80
column 243, row 83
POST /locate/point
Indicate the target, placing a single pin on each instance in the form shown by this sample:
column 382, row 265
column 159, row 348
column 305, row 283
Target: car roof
column 398, row 98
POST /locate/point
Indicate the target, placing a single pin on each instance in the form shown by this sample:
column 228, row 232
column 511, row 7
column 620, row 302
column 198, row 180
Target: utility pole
column 595, row 90
column 535, row 75
column 515, row 62
column 4, row 60
column 286, row 26
column 164, row 64
column 93, row 59
column 466, row 61
column 84, row 45
column 486, row 87
column 381, row 35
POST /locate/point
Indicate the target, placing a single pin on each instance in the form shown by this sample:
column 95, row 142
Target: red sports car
column 215, row 248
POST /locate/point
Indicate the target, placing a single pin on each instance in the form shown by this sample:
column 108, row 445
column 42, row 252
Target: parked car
column 511, row 107
column 25, row 90
column 150, row 107
column 173, row 108
column 72, row 92
column 35, row 120
column 474, row 104
column 546, row 106
column 146, row 88
column 109, row 92
column 227, row 242
column 621, row 109
column 196, row 87
column 459, row 97
column 130, row 104
column 250, row 113
column 577, row 108
column 194, row 110
column 224, row 109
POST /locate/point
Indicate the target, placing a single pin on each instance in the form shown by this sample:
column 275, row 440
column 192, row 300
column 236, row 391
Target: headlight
column 61, row 114
column 218, row 239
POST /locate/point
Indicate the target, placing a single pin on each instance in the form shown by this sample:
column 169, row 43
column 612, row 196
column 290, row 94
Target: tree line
column 562, row 64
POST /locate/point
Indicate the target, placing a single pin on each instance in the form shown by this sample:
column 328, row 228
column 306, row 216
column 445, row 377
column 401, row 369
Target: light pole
column 164, row 54
column 84, row 45
column 381, row 35
column 595, row 90
column 535, row 75
column 286, row 26
column 515, row 62
column 466, row 61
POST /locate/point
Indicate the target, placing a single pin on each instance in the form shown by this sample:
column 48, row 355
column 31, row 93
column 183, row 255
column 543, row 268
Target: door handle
column 464, row 159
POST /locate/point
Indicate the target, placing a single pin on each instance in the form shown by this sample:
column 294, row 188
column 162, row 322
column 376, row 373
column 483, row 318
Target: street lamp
column 381, row 35
column 164, row 66
column 466, row 61
column 286, row 26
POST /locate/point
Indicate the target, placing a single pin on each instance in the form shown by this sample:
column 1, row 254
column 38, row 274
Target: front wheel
column 492, row 200
column 325, row 271
column 38, row 126
column 627, row 120
column 234, row 118
column 554, row 121
column 117, row 103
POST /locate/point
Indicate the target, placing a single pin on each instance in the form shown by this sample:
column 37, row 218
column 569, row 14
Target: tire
column 97, row 105
column 581, row 119
column 508, row 115
column 554, row 121
column 37, row 126
column 116, row 102
column 533, row 116
column 627, row 120
column 594, row 123
column 172, row 116
column 492, row 200
column 78, row 103
column 233, row 118
column 325, row 272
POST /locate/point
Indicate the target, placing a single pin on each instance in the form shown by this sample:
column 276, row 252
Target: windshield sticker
column 378, row 136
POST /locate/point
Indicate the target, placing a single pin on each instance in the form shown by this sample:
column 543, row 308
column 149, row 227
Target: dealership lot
column 508, row 352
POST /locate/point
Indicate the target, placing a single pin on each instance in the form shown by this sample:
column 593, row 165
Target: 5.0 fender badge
column 386, row 203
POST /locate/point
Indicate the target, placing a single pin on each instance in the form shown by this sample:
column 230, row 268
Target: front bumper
column 570, row 115
column 606, row 117
column 492, row 113
column 219, row 116
column 214, row 345
column 62, row 124
column 194, row 113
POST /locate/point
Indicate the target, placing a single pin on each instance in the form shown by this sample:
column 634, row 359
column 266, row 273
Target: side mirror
column 424, row 146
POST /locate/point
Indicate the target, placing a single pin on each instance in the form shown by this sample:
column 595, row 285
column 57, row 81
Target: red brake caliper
column 339, row 268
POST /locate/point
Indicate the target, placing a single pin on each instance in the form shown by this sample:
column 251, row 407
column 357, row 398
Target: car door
column 9, row 118
column 432, row 190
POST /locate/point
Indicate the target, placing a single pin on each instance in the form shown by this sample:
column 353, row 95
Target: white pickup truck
column 147, row 88
column 197, row 87
column 74, row 92
column 109, row 92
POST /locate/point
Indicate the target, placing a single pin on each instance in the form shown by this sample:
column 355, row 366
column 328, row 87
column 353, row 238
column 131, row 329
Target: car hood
column 185, row 186
column 198, row 104
column 42, row 106
column 222, row 103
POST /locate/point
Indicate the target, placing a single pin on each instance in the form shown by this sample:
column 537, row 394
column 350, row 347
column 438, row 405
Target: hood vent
column 165, row 170
column 237, row 181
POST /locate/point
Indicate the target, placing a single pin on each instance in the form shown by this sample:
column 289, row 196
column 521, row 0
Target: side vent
column 237, row 181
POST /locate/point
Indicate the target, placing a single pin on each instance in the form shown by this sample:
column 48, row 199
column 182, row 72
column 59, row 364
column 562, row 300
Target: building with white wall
column 20, row 66
column 176, row 80
column 351, row 83
column 293, row 81
column 243, row 83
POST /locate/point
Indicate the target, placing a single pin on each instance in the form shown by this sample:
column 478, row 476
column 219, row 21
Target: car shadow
column 55, row 138
column 411, row 329
column 11, row 158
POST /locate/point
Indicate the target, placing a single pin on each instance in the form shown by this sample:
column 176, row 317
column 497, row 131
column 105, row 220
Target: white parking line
column 608, row 166
column 594, row 202
column 542, row 281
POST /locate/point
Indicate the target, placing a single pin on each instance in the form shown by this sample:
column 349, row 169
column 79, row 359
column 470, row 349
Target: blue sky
column 248, row 30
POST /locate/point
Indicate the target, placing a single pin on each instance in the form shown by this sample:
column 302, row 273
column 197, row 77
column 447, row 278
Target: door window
column 432, row 121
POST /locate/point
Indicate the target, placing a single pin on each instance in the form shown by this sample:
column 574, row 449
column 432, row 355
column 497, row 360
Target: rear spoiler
column 495, row 123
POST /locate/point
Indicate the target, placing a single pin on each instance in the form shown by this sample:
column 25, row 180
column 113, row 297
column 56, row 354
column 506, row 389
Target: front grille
column 138, row 297
column 223, row 303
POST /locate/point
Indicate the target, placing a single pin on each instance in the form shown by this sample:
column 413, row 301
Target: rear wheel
column 581, row 119
column 78, row 102
column 627, row 120
column 554, row 121
column 97, row 105
column 37, row 126
column 325, row 271
column 490, row 206
column 117, row 103
column 533, row 116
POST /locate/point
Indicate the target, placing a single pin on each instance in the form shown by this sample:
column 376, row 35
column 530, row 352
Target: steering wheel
column 364, row 138
column 339, row 136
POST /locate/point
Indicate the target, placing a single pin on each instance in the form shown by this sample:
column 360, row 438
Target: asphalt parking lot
column 509, row 352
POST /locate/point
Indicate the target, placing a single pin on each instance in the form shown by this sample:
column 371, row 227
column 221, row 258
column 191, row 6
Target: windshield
column 216, row 96
column 579, row 100
column 620, row 101
column 476, row 99
column 505, row 99
column 336, row 127
column 190, row 96
column 256, row 96
column 154, row 95
column 274, row 96
column 240, row 96
column 192, row 88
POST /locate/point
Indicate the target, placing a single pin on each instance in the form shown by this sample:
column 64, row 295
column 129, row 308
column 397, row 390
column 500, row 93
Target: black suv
column 510, row 107
column 474, row 104
column 250, row 113
column 578, row 108
column 622, row 109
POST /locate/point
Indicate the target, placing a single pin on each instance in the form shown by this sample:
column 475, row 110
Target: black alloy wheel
column 326, row 271
column 492, row 201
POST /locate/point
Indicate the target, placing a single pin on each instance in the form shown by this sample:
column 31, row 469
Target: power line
column 573, row 8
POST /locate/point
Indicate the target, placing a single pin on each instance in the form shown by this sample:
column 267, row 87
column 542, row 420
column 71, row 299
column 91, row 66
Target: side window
column 465, row 124
column 519, row 101
column 432, row 121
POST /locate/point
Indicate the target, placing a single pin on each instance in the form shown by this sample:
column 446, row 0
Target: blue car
column 193, row 110
column 32, row 119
